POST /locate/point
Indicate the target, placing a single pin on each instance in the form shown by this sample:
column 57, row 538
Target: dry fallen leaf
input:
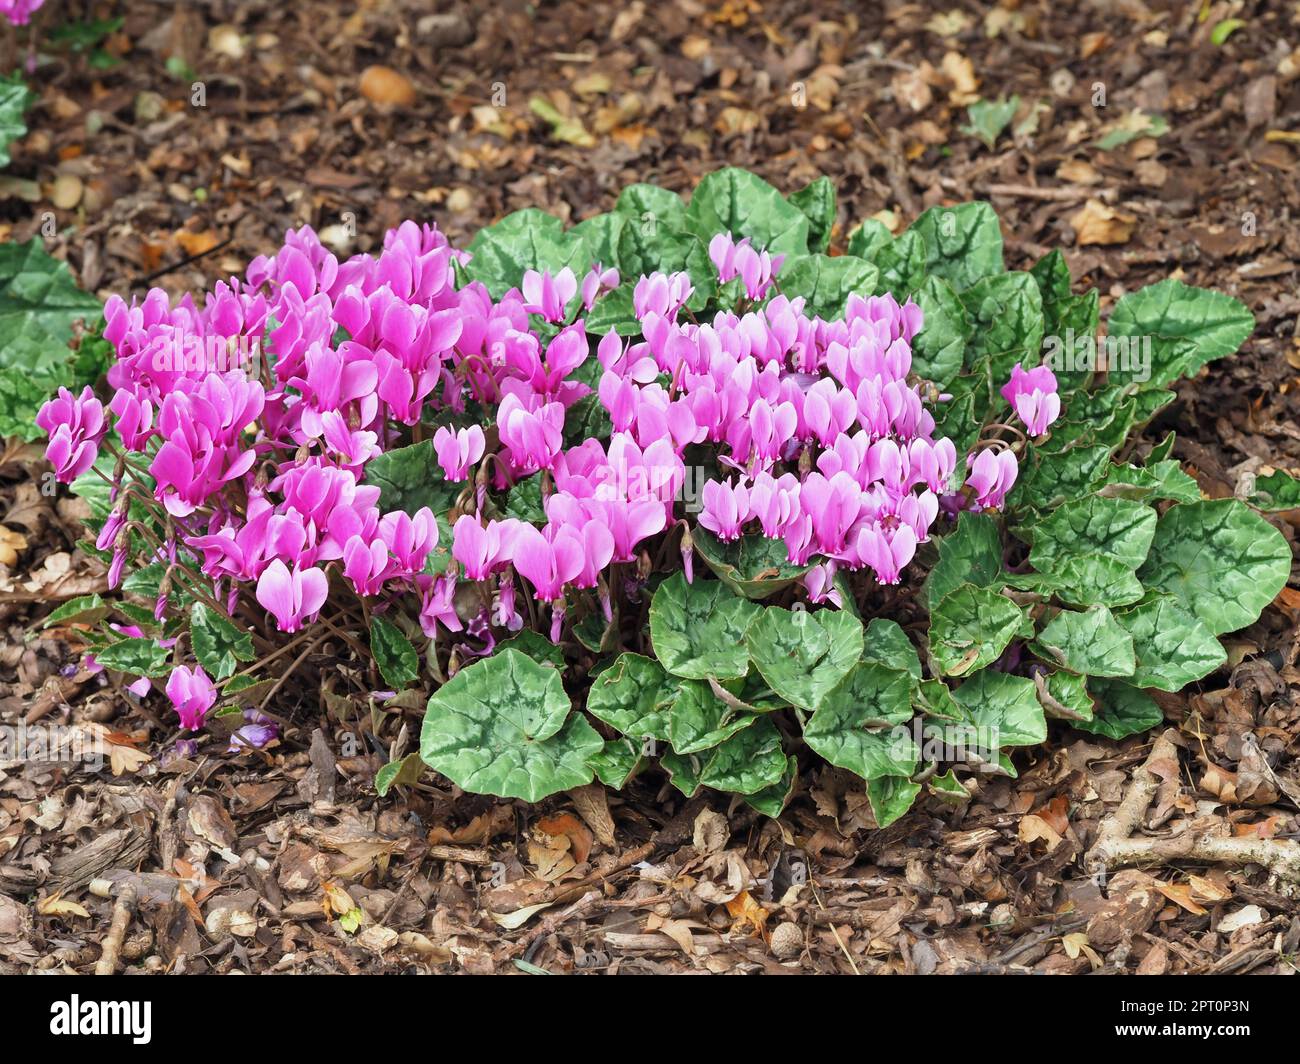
column 1095, row 223
column 54, row 905
column 569, row 826
column 1181, row 894
column 746, row 912
column 1034, row 829
column 11, row 543
column 961, row 72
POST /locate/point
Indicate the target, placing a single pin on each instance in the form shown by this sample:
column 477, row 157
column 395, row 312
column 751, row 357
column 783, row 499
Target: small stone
column 787, row 942
column 66, row 193
column 459, row 200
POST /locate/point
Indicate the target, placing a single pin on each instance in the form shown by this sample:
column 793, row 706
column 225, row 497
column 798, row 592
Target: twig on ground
column 1115, row 849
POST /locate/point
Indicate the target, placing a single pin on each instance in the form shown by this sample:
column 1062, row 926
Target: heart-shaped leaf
column 753, row 566
column 398, row 661
column 503, row 726
column 1112, row 528
column 1092, row 642
column 838, row 730
column 1220, row 560
column 633, row 695
column 1121, row 710
column 1003, row 707
column 699, row 720
column 804, row 655
column 971, row 627
column 1173, row 647
column 698, row 629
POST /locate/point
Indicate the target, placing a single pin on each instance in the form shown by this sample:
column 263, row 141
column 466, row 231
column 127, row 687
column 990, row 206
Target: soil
column 288, row 861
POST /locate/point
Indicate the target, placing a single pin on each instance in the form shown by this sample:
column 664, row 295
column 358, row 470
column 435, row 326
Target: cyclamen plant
column 495, row 474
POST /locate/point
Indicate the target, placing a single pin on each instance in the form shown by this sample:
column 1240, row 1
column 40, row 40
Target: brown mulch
column 289, row 861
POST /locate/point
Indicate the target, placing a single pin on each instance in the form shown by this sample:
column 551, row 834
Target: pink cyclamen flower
column 257, row 733
column 547, row 295
column 992, row 474
column 19, row 12
column 886, row 552
column 725, row 508
column 458, row 450
column 192, row 693
column 596, row 282
column 549, row 560
column 75, row 425
column 292, row 595
column 533, row 437
column 1032, row 394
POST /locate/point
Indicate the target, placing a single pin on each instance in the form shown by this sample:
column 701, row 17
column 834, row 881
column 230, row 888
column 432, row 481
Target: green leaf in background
column 698, row 630
column 826, row 283
column 525, row 240
column 536, row 646
column 601, row 234
column 1006, row 316
column 770, row 801
column 85, row 609
column 139, row 657
column 653, row 205
column 963, row 243
column 891, row 797
column 743, row 204
column 1188, row 327
column 1047, row 480
column 614, row 310
column 1122, row 710
column 1222, row 561
column 617, row 763
column 1275, row 492
column 997, row 703
column 803, row 655
column 699, row 720
column 837, row 730
column 1112, row 528
column 398, row 662
column 409, row 478
column 15, row 98
column 753, row 565
column 633, row 696
column 970, row 554
column 1065, row 695
column 21, row 398
column 218, row 644
column 1173, row 647
column 39, row 302
column 901, row 260
column 1160, row 480
column 938, row 350
column 1085, row 580
column 748, row 762
column 503, row 726
column 971, row 627
column 988, row 118
column 817, row 202
column 405, row 771
column 1092, row 642
column 885, row 643
column 524, row 501
column 1133, row 125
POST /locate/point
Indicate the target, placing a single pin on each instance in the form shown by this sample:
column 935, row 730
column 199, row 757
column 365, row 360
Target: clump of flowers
column 386, row 455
